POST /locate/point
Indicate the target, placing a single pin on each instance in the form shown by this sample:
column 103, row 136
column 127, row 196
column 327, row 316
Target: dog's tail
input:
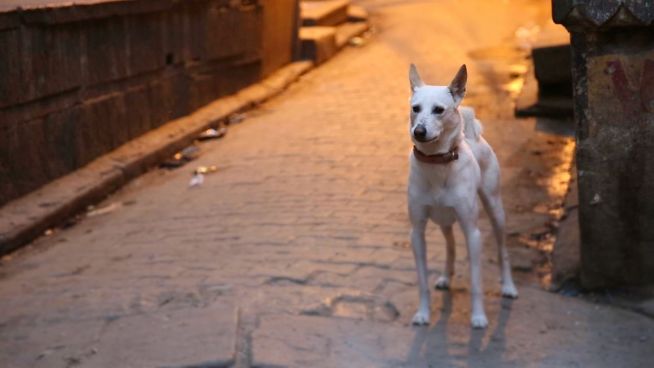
column 471, row 126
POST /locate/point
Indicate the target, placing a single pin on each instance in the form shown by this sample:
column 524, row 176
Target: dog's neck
column 449, row 138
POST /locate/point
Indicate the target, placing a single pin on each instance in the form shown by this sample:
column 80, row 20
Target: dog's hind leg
column 492, row 202
column 467, row 215
column 443, row 281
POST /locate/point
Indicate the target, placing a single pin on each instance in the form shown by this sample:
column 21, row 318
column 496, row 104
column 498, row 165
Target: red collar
column 439, row 158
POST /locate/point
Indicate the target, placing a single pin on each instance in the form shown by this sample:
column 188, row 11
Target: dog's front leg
column 419, row 223
column 467, row 217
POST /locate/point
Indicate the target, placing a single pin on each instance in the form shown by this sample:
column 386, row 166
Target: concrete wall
column 78, row 81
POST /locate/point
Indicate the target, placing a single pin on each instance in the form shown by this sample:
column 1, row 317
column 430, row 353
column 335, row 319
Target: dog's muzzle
column 420, row 134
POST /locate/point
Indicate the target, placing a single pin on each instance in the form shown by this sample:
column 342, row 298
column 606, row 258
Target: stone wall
column 613, row 84
column 78, row 81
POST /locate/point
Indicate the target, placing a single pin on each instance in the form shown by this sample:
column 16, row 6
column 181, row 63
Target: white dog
column 450, row 165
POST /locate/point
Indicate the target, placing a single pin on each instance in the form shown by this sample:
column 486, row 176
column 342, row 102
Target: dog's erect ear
column 458, row 85
column 414, row 78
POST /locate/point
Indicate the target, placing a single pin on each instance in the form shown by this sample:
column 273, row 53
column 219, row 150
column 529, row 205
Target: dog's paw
column 479, row 321
column 420, row 318
column 443, row 283
column 509, row 291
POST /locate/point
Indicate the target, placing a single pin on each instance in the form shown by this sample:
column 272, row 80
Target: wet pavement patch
column 356, row 307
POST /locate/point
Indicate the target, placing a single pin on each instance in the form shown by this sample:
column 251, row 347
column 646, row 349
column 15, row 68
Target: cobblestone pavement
column 304, row 230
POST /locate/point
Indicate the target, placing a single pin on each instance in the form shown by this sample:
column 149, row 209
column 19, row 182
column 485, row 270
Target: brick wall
column 78, row 81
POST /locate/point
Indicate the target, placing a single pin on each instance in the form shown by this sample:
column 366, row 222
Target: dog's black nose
column 420, row 132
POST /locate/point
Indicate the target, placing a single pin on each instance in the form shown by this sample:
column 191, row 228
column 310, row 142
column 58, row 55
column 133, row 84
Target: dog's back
column 472, row 128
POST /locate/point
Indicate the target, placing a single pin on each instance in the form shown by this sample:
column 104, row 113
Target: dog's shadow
column 445, row 345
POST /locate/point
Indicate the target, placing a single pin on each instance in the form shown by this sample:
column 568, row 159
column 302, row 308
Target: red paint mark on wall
column 634, row 99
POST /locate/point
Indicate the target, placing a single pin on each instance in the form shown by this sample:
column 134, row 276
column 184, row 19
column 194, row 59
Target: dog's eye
column 416, row 108
column 437, row 110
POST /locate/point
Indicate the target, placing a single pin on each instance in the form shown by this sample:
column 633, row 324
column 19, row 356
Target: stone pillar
column 613, row 81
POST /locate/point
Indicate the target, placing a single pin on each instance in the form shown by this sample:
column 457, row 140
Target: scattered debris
column 182, row 157
column 196, row 180
column 206, row 169
column 236, row 118
column 198, row 175
column 212, row 133
column 92, row 211
column 190, row 153
column 357, row 41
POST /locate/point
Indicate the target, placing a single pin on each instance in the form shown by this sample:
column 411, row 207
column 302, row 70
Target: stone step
column 324, row 13
column 542, row 100
column 319, row 43
column 356, row 13
column 552, row 56
column 552, row 65
column 547, row 89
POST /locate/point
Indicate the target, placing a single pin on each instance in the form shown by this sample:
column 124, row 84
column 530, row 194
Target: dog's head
column 434, row 108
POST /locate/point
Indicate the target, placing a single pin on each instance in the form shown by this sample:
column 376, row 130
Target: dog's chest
column 439, row 203
column 432, row 190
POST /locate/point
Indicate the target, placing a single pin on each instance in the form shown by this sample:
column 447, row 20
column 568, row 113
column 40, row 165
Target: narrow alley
column 303, row 232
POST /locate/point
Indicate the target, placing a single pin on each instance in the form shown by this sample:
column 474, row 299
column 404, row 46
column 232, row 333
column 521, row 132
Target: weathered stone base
column 614, row 107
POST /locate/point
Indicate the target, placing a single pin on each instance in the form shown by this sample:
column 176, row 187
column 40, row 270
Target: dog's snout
column 420, row 132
